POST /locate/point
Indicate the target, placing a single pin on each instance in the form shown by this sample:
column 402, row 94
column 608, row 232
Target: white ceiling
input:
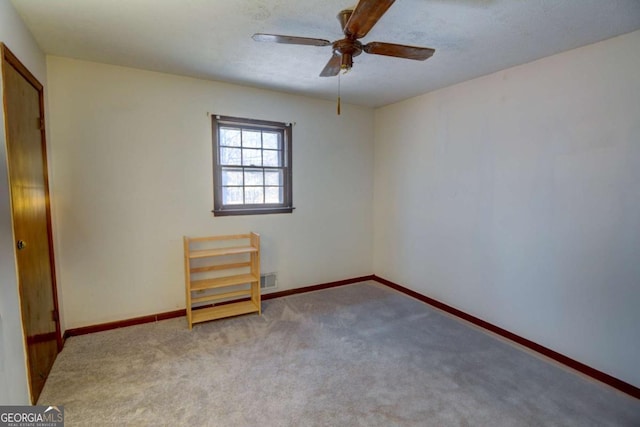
column 211, row 39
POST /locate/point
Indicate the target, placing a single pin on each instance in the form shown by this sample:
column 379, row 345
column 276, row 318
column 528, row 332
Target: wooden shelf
column 221, row 311
column 217, row 297
column 206, row 253
column 243, row 268
column 222, row 282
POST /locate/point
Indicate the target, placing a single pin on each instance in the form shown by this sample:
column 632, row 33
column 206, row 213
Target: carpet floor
column 357, row 355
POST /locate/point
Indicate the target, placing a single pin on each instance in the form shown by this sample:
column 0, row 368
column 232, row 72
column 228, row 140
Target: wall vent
column 268, row 281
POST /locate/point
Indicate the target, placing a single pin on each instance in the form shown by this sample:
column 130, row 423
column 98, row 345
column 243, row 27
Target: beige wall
column 132, row 174
column 13, row 374
column 514, row 197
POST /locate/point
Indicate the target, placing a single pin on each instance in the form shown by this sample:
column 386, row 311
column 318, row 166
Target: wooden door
column 28, row 178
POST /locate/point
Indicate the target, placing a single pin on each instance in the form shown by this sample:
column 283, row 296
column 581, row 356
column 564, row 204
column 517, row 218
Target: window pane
column 232, row 177
column 232, row 195
column 230, row 137
column 251, row 139
column 273, row 195
column 229, row 156
column 272, row 177
column 252, row 157
column 271, row 158
column 253, row 177
column 254, row 195
column 271, row 140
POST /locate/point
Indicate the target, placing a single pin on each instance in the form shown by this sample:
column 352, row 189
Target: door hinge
column 40, row 124
column 55, row 316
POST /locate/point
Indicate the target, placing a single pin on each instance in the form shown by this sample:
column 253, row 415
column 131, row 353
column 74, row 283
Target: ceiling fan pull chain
column 338, row 93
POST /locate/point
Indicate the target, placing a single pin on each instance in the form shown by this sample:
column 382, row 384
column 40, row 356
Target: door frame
column 9, row 59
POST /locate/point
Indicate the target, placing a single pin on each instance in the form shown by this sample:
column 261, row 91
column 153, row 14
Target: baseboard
column 179, row 313
column 558, row 357
column 316, row 287
column 123, row 323
column 40, row 338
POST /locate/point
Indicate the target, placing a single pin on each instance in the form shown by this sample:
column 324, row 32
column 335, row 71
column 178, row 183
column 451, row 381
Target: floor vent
column 268, row 281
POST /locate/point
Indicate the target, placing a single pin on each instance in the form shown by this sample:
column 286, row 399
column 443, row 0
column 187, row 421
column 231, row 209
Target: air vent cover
column 268, row 281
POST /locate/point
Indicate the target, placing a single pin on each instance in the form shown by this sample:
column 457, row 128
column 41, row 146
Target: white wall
column 13, row 373
column 132, row 172
column 515, row 197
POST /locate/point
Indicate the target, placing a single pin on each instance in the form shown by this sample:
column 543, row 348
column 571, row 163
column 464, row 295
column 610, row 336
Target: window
column 252, row 166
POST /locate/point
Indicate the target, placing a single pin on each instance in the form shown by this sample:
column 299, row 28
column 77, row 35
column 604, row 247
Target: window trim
column 219, row 209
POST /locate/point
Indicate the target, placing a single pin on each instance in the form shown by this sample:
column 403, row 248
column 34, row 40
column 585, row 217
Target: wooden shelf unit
column 222, row 276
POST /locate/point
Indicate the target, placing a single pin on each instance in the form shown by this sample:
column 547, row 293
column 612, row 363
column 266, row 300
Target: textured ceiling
column 211, row 39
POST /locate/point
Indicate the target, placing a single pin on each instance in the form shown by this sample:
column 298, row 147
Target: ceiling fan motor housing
column 347, row 48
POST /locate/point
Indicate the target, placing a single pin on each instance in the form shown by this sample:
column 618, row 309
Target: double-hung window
column 252, row 166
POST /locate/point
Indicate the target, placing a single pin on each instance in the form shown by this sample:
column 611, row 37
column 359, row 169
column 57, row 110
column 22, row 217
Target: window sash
column 283, row 151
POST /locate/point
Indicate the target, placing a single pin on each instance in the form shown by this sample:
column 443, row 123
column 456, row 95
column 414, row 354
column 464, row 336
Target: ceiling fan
column 356, row 23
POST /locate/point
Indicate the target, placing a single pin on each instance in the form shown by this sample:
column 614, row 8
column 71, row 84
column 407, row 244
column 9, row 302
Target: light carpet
column 357, row 355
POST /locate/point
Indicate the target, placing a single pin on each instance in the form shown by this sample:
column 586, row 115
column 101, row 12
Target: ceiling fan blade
column 333, row 67
column 278, row 38
column 399, row 50
column 365, row 16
